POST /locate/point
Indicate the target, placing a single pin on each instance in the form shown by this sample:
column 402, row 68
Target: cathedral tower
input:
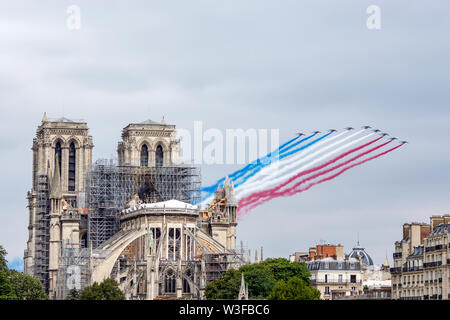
column 149, row 144
column 63, row 147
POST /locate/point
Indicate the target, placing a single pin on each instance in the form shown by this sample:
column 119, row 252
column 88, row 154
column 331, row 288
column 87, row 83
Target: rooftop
column 167, row 205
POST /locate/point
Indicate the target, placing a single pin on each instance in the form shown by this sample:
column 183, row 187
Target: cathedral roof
column 169, row 204
column 62, row 119
column 149, row 121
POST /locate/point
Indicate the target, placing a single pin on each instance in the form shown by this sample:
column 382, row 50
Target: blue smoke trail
column 283, row 155
column 303, row 147
column 267, row 159
column 254, row 164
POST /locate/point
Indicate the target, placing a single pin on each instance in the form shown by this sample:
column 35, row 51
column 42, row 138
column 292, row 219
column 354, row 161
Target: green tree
column 283, row 269
column 3, row 262
column 108, row 289
column 227, row 287
column 26, row 287
column 260, row 277
column 294, row 289
column 74, row 294
column 6, row 288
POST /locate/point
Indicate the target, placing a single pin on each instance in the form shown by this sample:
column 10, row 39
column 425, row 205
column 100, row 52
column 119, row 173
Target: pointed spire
column 262, row 258
column 243, row 290
column 56, row 181
column 386, row 261
column 163, row 121
column 44, row 118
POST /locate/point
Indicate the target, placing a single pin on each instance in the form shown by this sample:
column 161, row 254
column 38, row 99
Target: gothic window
column 171, row 247
column 169, row 281
column 58, row 152
column 186, row 286
column 177, row 243
column 144, row 156
column 156, row 232
column 72, row 159
column 159, row 156
column 174, row 245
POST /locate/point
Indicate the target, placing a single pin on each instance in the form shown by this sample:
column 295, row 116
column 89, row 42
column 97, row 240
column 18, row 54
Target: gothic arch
column 60, row 140
column 147, row 142
column 73, row 140
column 163, row 144
column 103, row 270
column 170, row 280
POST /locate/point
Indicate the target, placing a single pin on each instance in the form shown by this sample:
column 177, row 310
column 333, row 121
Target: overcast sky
column 292, row 65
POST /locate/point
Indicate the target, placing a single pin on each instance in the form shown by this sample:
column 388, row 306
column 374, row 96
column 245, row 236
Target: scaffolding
column 216, row 264
column 42, row 227
column 109, row 187
column 75, row 266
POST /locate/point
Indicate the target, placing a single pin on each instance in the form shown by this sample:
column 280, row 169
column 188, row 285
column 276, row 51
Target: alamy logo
column 234, row 146
column 374, row 19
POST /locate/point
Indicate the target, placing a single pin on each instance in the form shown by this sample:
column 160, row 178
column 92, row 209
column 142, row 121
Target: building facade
column 421, row 261
column 336, row 277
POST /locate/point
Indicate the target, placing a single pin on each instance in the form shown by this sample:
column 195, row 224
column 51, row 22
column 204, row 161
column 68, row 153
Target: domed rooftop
column 359, row 251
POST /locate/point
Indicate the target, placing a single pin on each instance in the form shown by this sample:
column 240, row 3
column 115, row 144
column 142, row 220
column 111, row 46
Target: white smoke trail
column 276, row 178
column 285, row 162
column 275, row 165
column 290, row 163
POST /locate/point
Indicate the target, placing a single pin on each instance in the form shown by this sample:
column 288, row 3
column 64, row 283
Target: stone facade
column 336, row 277
column 171, row 250
column 421, row 261
column 61, row 147
column 147, row 139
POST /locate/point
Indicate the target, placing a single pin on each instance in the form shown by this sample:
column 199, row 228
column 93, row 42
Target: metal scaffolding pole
column 42, row 223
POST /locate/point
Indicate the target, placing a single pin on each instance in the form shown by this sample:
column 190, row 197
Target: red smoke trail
column 293, row 190
column 257, row 195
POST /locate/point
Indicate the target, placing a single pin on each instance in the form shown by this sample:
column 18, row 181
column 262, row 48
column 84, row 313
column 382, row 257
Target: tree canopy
column 108, row 289
column 294, row 289
column 17, row 285
column 262, row 279
column 27, row 287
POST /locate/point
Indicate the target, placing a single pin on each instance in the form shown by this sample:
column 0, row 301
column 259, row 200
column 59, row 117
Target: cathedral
column 135, row 220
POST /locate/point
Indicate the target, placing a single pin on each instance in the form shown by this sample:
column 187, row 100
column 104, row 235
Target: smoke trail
column 267, row 172
column 277, row 178
column 280, row 157
column 263, row 193
column 295, row 189
column 267, row 159
column 271, row 168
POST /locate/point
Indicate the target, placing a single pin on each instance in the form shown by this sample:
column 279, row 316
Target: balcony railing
column 411, row 298
column 436, row 247
column 314, row 281
column 412, row 269
column 395, row 270
column 432, row 264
